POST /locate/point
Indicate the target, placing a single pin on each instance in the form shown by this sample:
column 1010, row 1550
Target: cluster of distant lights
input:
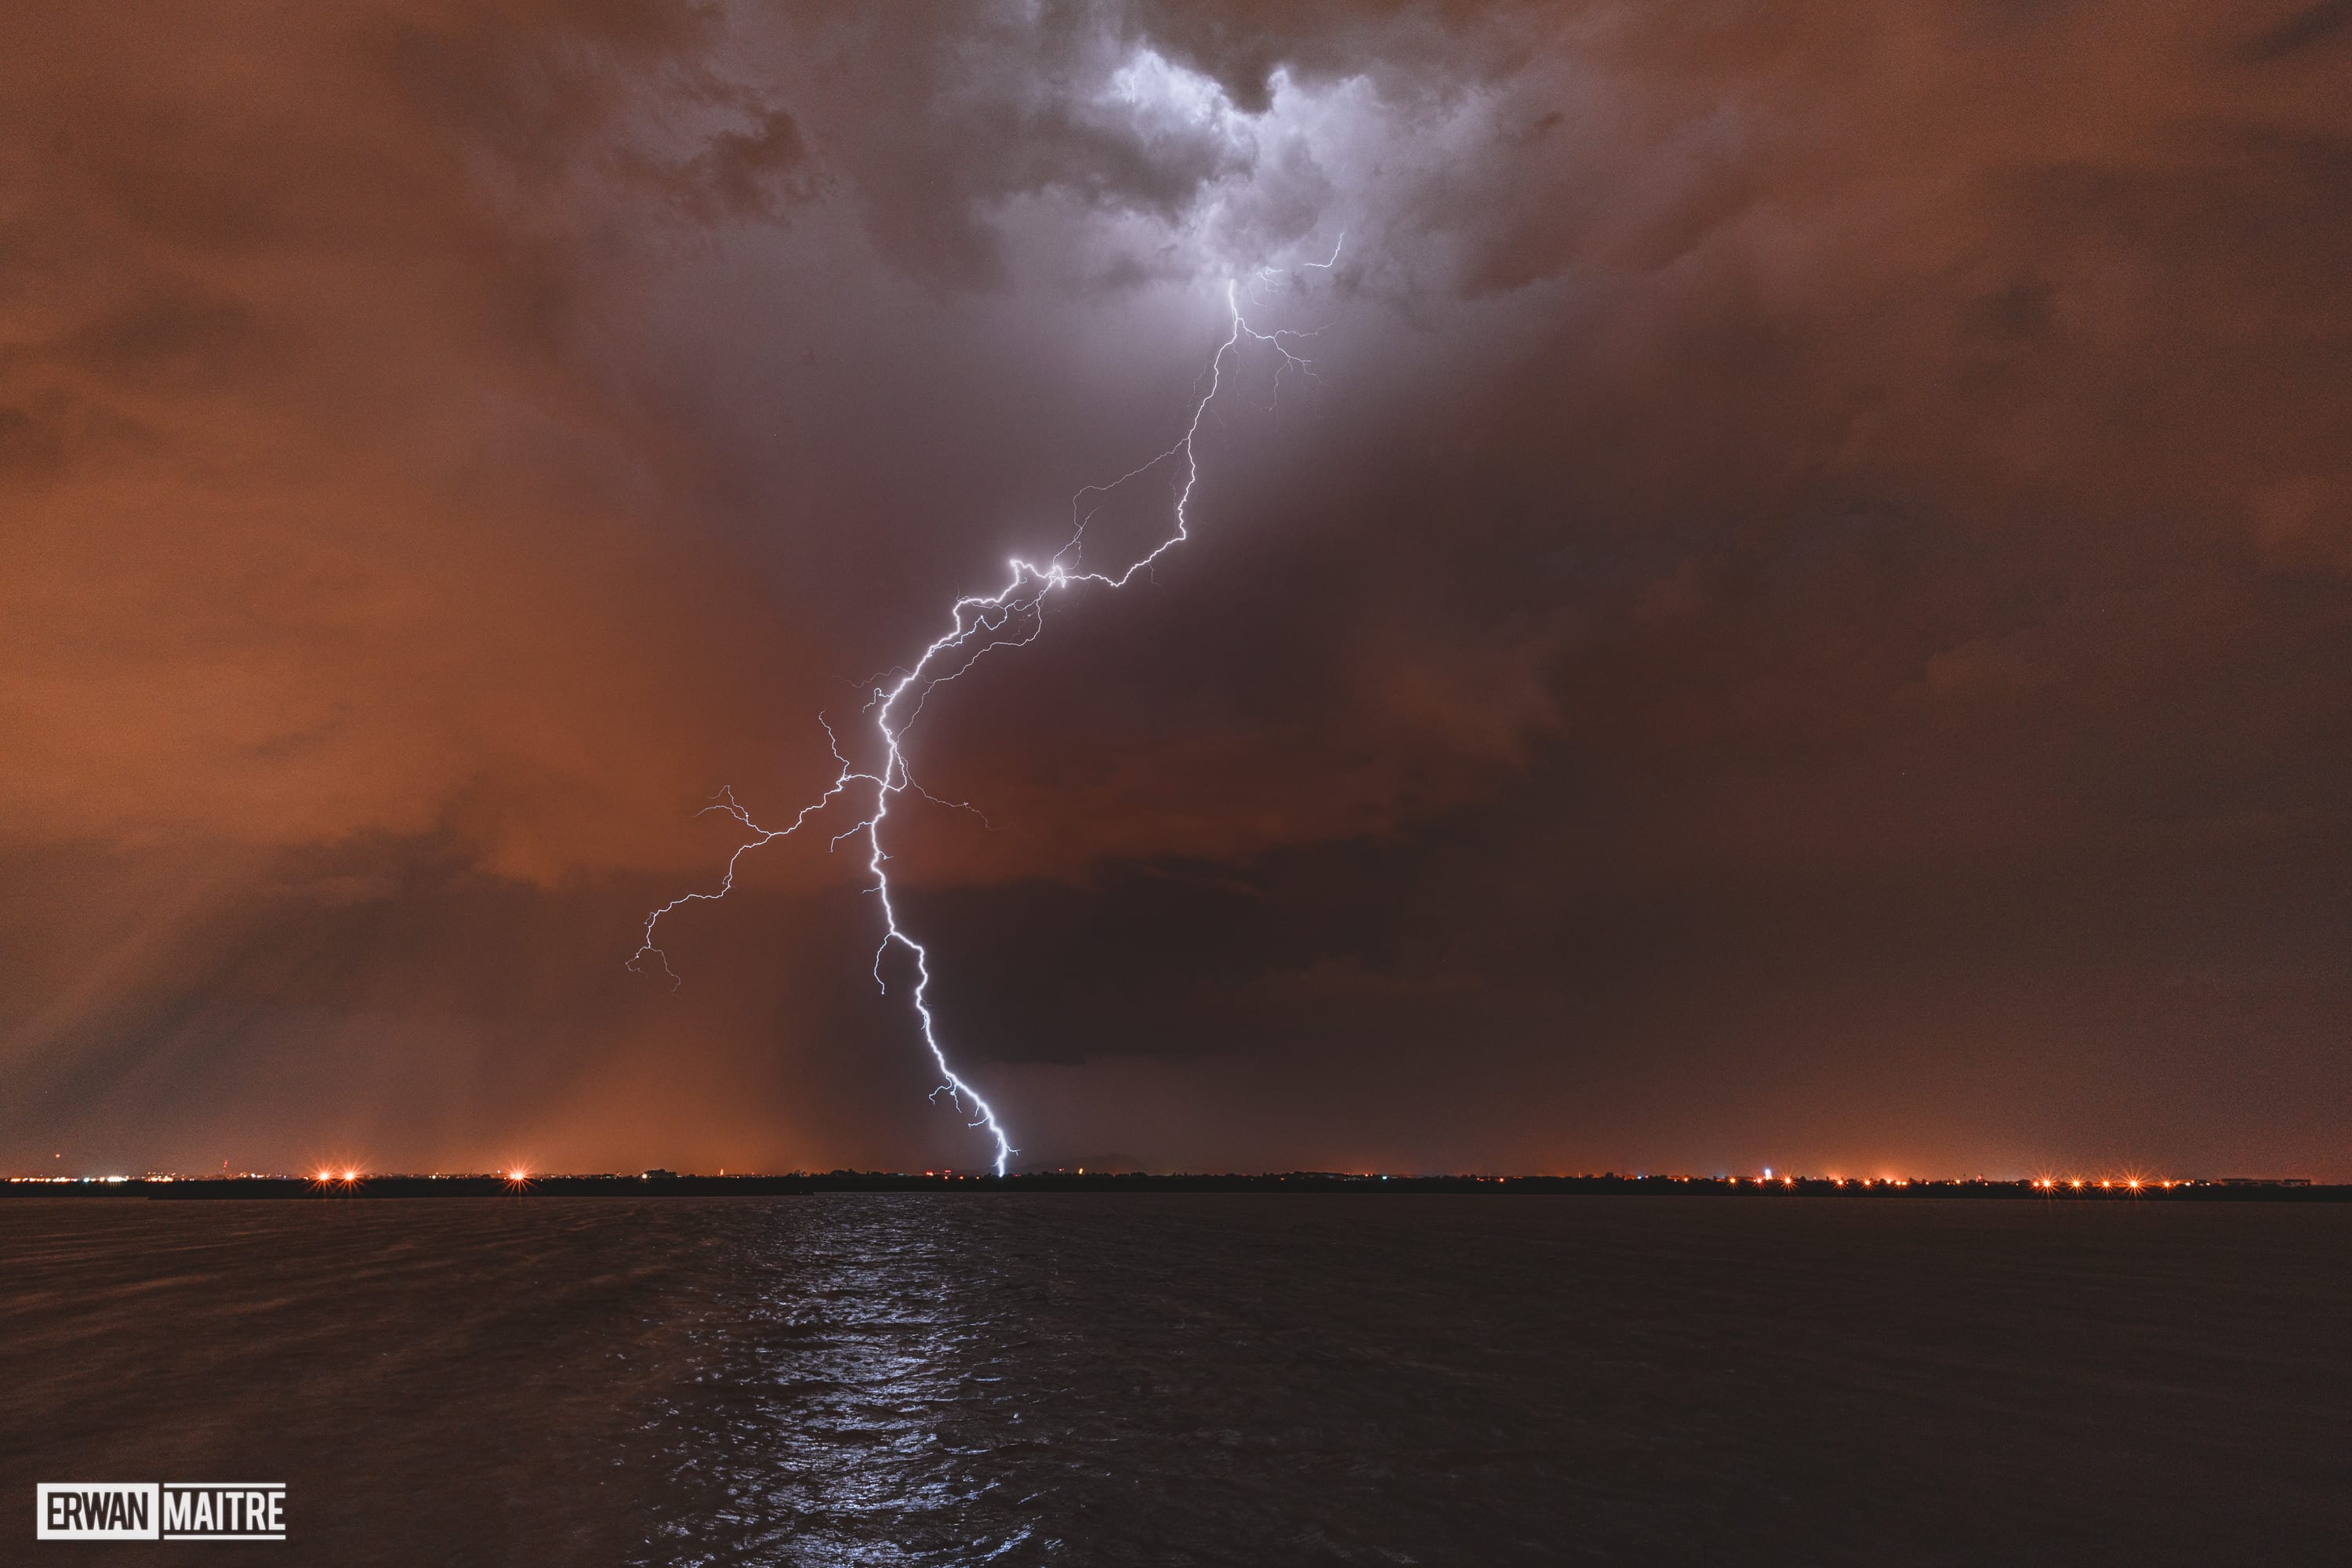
column 2135, row 1183
column 2042, row 1183
column 348, row 1176
column 517, row 1178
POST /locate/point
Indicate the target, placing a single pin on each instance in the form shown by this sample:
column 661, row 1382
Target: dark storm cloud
column 1801, row 614
column 2312, row 28
column 306, row 443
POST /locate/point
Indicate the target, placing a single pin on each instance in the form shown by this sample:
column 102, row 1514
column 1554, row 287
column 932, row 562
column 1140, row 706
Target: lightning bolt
column 979, row 624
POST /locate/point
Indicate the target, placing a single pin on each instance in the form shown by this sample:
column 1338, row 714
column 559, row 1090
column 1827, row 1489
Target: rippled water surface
column 1195, row 1379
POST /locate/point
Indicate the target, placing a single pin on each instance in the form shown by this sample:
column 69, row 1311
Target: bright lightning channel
column 1012, row 617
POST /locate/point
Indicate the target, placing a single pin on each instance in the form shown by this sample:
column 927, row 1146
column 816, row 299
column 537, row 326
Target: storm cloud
column 1800, row 617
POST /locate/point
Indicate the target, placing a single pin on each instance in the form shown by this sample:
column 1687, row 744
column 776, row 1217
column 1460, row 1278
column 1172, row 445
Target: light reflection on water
column 853, row 1399
column 1206, row 1379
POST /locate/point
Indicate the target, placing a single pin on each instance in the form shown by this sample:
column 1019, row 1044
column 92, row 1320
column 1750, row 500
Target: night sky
column 1802, row 617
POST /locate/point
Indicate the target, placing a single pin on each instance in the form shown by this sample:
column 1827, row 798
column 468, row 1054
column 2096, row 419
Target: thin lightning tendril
column 1013, row 616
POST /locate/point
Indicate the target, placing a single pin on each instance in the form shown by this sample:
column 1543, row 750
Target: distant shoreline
column 665, row 1185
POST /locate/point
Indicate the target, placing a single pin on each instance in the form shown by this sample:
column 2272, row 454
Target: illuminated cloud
column 1813, row 527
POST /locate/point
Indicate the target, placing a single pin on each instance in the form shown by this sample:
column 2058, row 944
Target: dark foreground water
column 1194, row 1379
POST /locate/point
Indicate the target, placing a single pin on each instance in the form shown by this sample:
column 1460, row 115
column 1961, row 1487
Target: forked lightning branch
column 1013, row 616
